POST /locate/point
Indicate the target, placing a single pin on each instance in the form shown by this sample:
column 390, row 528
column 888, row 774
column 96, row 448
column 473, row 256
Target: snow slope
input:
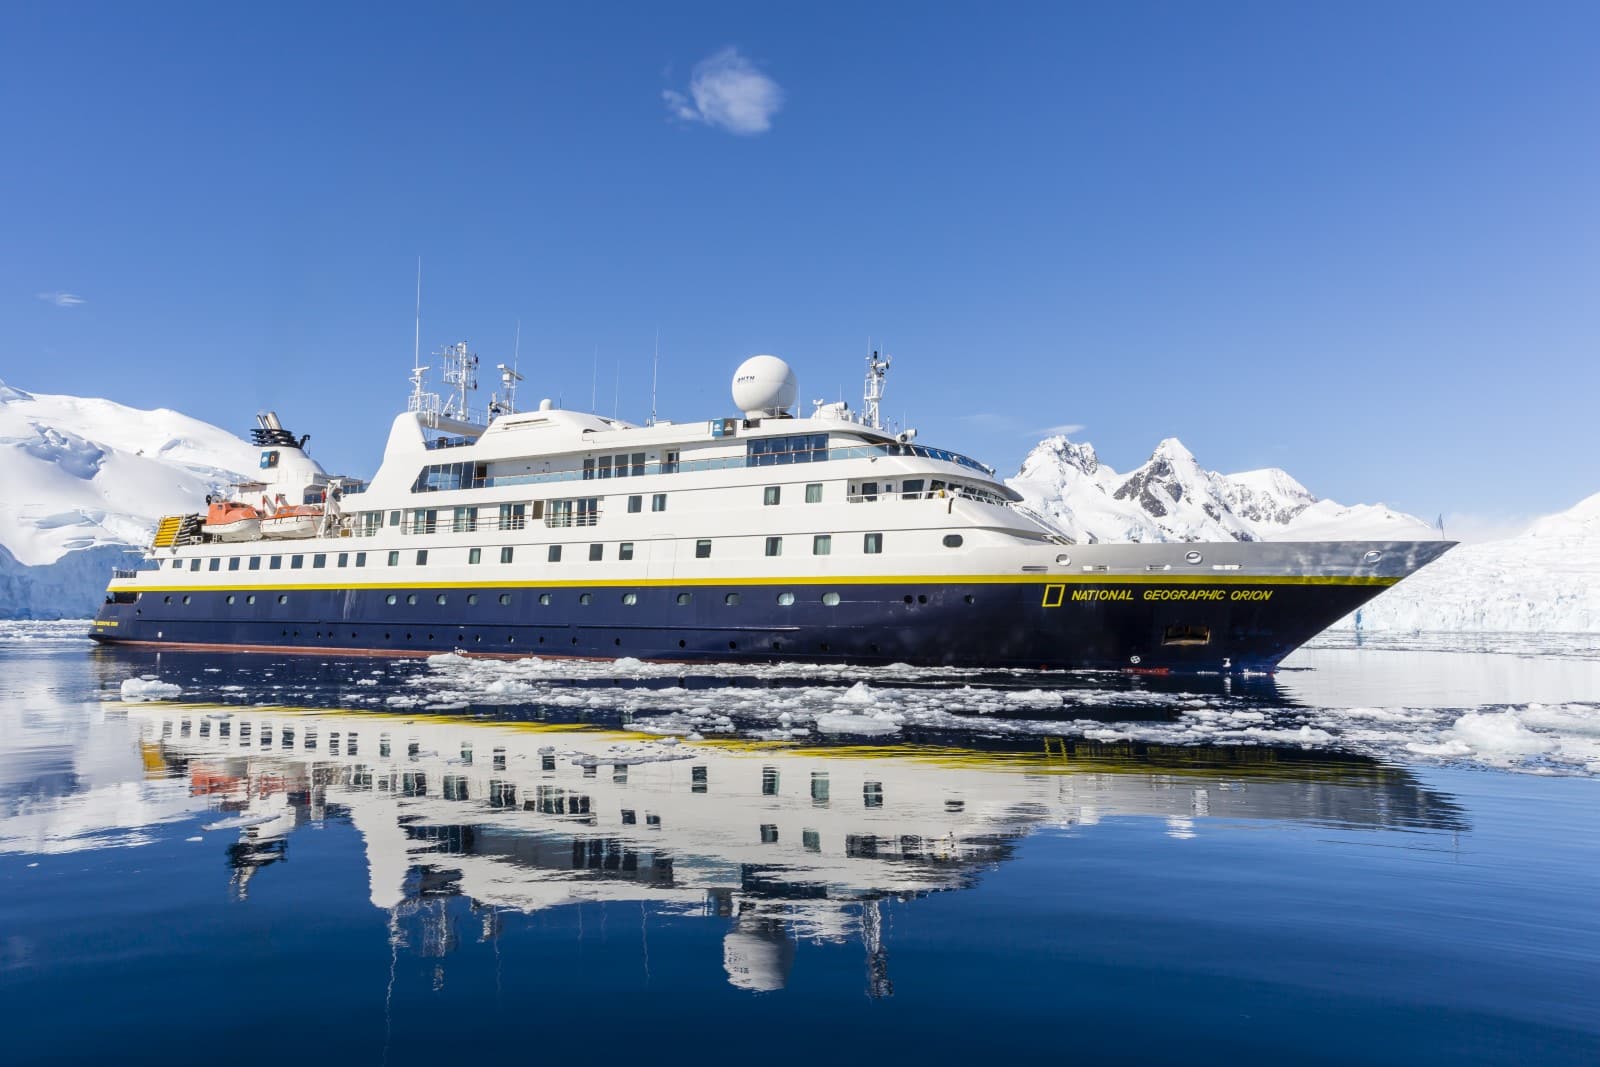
column 1172, row 498
column 83, row 480
column 1544, row 580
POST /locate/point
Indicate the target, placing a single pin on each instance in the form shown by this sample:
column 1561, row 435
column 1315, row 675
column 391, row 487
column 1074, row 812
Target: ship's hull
column 1139, row 622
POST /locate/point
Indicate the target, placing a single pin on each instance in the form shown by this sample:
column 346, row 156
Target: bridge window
column 794, row 448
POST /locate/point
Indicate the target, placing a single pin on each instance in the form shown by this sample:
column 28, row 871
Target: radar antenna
column 461, row 371
column 877, row 371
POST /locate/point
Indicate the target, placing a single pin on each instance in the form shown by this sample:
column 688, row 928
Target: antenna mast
column 877, row 371
column 655, row 373
column 505, row 401
column 461, row 371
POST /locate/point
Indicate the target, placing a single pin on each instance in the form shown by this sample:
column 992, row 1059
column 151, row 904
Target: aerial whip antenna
column 655, row 373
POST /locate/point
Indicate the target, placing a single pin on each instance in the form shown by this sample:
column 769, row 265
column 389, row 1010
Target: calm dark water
column 1380, row 856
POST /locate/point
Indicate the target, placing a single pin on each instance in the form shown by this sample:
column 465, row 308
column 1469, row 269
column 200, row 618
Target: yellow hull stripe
column 1187, row 579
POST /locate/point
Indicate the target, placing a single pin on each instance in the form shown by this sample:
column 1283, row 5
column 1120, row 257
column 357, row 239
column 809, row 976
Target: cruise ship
column 769, row 535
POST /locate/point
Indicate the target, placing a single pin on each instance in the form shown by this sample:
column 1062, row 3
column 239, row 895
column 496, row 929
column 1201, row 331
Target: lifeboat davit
column 293, row 520
column 229, row 520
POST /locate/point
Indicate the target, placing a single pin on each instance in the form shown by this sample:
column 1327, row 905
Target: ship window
column 186, row 598
column 658, row 502
column 216, row 563
column 440, row 599
column 774, row 546
column 194, row 564
column 255, row 563
column 472, row 599
column 283, row 598
column 411, row 598
column 545, row 600
column 635, row 504
column 275, row 563
column 630, row 599
column 474, row 555
column 683, row 599
column 391, row 599
column 769, row 833
column 869, row 490
column 296, row 562
column 177, row 564
column 830, row 599
column 588, row 469
column 506, row 553
column 629, row 818
column 586, row 598
column 513, row 516
column 344, row 559
column 625, row 550
column 732, row 600
column 822, row 545
column 638, row 463
column 771, row 495
column 394, row 559
column 669, row 463
column 250, row 599
column 702, row 549
column 422, row 557
column 911, row 488
column 505, row 599
column 786, row 599
column 952, row 540
column 233, row 563
column 394, row 518
column 361, row 559
column 554, row 554
column 604, row 466
column 319, row 560
column 465, row 520
column 814, row 493
column 230, row 598
column 597, row 553
column 872, row 794
column 1192, row 557
column 872, row 543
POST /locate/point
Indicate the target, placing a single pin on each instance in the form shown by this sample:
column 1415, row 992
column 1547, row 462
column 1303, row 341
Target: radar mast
column 877, row 372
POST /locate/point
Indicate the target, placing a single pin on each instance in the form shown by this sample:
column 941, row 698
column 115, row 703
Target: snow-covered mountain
column 85, row 480
column 1544, row 580
column 1172, row 498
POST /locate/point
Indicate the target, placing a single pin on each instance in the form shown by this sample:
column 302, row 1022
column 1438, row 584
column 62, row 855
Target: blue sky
column 1360, row 241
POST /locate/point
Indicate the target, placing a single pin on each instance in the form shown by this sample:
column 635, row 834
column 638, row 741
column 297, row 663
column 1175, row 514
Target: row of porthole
column 511, row 639
column 250, row 598
column 831, row 599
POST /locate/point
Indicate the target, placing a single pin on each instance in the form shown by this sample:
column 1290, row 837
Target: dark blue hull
column 990, row 624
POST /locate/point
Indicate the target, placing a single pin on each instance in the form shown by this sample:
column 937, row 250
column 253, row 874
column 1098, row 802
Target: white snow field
column 86, row 480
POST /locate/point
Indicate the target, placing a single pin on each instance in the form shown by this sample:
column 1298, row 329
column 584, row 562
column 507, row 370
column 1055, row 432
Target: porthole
column 186, row 598
column 1372, row 556
column 922, row 598
column 682, row 643
column 505, row 598
column 586, row 598
column 969, row 598
column 907, row 598
column 251, row 599
column 684, row 598
column 732, row 600
column 786, row 599
column 544, row 599
column 1192, row 556
column 630, row 599
column 1062, row 559
column 952, row 540
column 166, row 599
column 472, row 598
column 440, row 599
column 283, row 598
column 391, row 599
column 230, row 598
column 411, row 598
column 830, row 599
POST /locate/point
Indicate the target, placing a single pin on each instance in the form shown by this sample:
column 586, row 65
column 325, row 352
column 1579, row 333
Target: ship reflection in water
column 780, row 843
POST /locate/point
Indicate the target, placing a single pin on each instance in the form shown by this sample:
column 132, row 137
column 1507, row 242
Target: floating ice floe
column 138, row 690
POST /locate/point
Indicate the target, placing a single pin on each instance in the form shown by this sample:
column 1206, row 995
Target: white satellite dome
column 763, row 386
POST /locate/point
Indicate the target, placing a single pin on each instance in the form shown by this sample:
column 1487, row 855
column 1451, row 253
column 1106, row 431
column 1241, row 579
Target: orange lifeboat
column 287, row 520
column 230, row 520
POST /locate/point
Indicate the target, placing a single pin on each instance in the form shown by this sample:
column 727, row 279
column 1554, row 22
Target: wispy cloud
column 728, row 92
column 996, row 422
column 1065, row 429
column 61, row 300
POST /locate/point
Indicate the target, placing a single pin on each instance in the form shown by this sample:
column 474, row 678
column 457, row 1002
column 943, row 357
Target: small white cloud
column 1066, row 429
column 61, row 300
column 727, row 91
